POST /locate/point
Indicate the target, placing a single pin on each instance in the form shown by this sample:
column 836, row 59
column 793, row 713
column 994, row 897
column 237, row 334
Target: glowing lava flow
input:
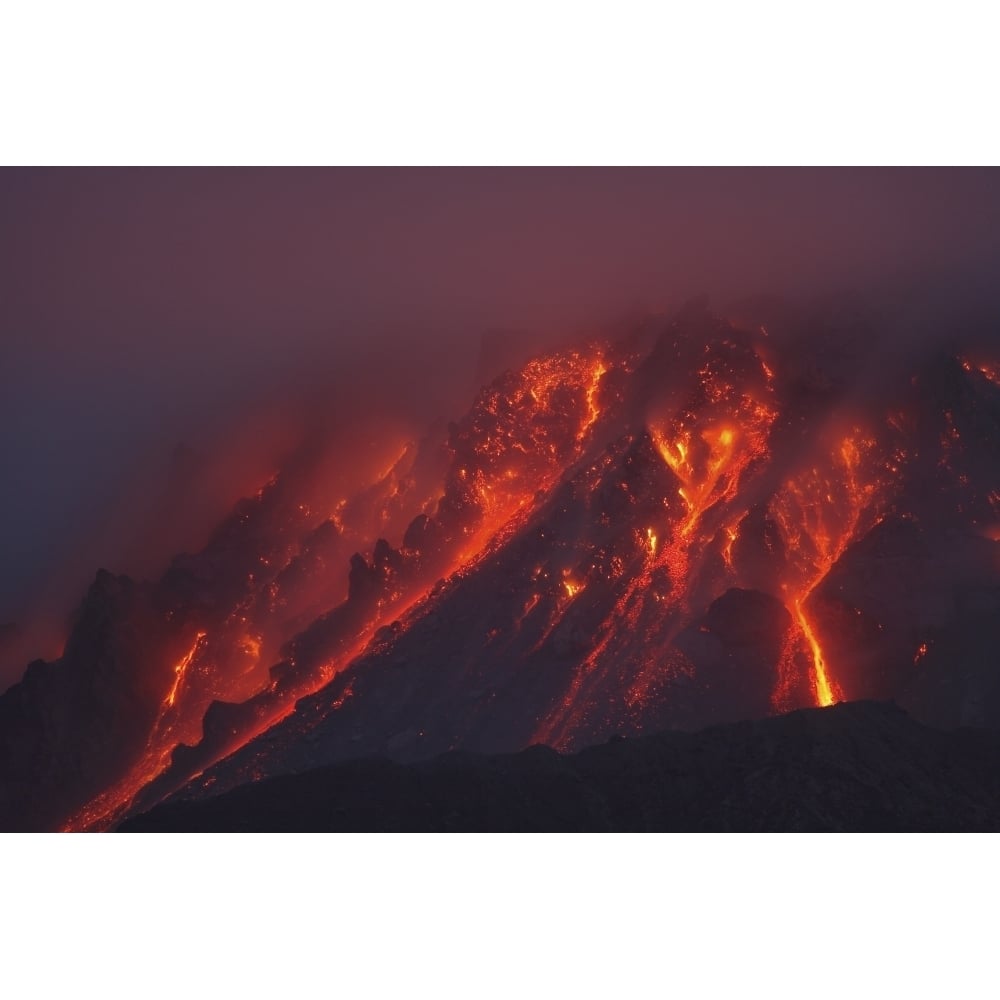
column 179, row 671
column 699, row 478
column 819, row 517
column 826, row 694
column 597, row 372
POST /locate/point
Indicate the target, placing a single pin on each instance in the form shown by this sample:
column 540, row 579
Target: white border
column 539, row 83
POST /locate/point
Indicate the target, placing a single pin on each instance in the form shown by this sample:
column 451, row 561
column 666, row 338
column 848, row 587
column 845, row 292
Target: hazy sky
column 140, row 308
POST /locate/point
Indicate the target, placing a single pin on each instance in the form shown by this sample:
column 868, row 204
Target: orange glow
column 674, row 454
column 732, row 532
column 344, row 697
column 819, row 514
column 518, row 432
column 399, row 453
column 251, row 646
column 826, row 692
column 181, row 669
column 651, row 541
column 700, row 479
column 528, row 608
column 597, row 372
column 988, row 369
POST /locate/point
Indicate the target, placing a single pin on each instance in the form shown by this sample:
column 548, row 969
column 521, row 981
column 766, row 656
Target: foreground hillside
column 862, row 766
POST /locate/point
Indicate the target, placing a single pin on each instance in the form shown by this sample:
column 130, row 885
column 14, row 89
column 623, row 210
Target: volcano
column 709, row 519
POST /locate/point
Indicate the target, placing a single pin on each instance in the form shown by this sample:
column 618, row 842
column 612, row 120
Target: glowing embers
column 988, row 369
column 345, row 695
column 337, row 517
column 545, row 377
column 250, row 646
column 532, row 407
column 666, row 571
column 523, row 431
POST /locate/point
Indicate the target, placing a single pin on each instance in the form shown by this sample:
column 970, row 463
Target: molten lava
column 819, row 513
column 700, row 467
column 181, row 669
column 826, row 693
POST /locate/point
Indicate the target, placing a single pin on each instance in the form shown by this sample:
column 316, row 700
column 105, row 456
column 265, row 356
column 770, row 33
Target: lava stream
column 179, row 671
column 819, row 516
column 826, row 692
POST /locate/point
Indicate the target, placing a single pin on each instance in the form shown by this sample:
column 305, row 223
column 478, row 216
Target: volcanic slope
column 730, row 543
column 701, row 522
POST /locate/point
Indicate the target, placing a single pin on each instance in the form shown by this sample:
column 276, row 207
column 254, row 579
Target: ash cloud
column 167, row 335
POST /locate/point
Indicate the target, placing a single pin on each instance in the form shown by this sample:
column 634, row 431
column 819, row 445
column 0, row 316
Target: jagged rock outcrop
column 70, row 727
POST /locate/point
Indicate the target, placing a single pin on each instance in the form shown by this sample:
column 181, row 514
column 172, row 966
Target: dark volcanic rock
column 748, row 618
column 71, row 726
column 864, row 766
column 735, row 651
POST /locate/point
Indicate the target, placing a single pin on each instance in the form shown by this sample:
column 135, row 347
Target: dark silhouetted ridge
column 862, row 766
